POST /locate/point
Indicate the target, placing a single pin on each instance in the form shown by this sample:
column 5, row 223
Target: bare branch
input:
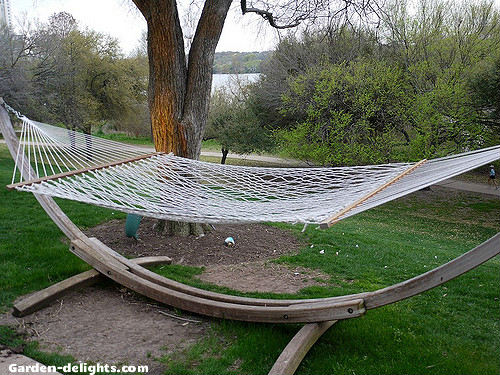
column 268, row 16
column 288, row 14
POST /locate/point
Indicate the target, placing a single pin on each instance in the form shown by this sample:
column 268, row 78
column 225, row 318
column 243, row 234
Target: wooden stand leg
column 44, row 297
column 297, row 348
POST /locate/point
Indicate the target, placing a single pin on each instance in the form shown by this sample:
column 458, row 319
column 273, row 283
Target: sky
column 120, row 19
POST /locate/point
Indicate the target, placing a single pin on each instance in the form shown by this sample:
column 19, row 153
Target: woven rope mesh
column 168, row 187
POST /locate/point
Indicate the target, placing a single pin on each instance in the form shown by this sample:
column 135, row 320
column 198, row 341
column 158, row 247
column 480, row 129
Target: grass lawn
column 452, row 329
column 125, row 138
column 236, row 161
column 209, row 145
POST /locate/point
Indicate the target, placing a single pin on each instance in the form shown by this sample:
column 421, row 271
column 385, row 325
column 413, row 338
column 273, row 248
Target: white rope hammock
column 126, row 178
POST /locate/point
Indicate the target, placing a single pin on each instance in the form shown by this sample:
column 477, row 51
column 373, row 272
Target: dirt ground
column 252, row 242
column 107, row 323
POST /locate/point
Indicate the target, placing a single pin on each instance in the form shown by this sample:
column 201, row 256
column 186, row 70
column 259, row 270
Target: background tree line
column 58, row 73
column 239, row 62
column 424, row 82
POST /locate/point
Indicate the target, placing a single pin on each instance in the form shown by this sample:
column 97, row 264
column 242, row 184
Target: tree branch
column 142, row 5
column 268, row 16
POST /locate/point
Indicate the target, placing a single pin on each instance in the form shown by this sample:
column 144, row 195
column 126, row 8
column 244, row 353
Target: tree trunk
column 225, row 151
column 167, row 76
column 179, row 94
column 200, row 65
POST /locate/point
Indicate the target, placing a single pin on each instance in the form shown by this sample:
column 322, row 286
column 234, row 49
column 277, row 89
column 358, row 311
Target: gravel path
column 470, row 186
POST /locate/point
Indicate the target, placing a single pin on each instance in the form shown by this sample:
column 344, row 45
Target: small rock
column 322, row 251
column 18, row 349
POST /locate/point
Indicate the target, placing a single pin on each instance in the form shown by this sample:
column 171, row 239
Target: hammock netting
column 168, row 187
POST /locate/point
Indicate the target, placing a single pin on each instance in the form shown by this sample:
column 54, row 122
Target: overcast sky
column 119, row 19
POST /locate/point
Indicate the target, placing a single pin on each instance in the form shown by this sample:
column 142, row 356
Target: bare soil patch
column 109, row 324
column 252, row 242
column 263, row 276
column 243, row 267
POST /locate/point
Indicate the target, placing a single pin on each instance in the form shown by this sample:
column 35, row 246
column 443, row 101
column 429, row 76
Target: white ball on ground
column 229, row 241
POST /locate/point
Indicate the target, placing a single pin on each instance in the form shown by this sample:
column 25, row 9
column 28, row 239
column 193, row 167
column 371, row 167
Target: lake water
column 231, row 80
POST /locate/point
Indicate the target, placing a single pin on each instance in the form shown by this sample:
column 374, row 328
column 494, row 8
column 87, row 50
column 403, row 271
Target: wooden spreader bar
column 333, row 219
column 81, row 171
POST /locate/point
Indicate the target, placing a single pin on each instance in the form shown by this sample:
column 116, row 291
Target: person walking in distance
column 493, row 176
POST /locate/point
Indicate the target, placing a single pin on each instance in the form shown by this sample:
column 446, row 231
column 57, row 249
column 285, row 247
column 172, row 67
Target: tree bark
column 199, row 79
column 167, row 74
column 179, row 94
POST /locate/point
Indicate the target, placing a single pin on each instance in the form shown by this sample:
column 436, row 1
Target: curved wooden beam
column 336, row 305
column 298, row 313
column 44, row 297
column 291, row 357
column 378, row 298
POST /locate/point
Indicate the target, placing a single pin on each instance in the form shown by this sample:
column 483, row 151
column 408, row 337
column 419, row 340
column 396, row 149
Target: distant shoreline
column 239, row 62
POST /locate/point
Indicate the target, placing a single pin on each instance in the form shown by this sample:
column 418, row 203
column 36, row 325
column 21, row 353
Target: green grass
column 10, row 338
column 208, row 145
column 244, row 162
column 33, row 254
column 452, row 329
column 211, row 145
column 125, row 138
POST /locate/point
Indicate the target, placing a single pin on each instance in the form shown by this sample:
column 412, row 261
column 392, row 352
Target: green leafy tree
column 233, row 124
column 426, row 87
column 347, row 114
column 484, row 87
column 81, row 79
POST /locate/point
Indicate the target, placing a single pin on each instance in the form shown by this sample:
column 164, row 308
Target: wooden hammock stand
column 318, row 314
